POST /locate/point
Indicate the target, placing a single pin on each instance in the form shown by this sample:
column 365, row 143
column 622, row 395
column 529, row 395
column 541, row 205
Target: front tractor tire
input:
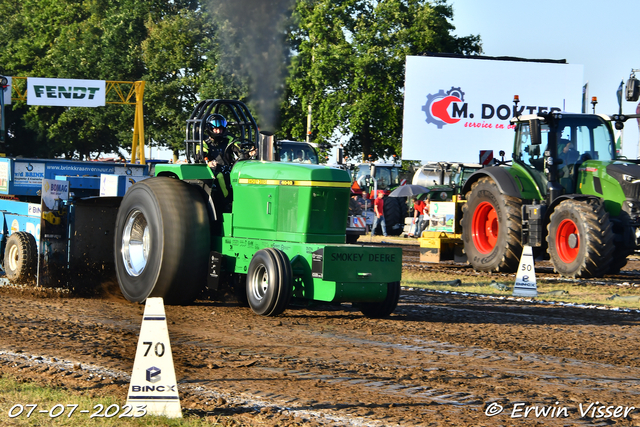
column 378, row 310
column 162, row 241
column 580, row 239
column 269, row 282
column 491, row 228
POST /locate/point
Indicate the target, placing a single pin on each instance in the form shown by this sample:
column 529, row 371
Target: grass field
column 627, row 296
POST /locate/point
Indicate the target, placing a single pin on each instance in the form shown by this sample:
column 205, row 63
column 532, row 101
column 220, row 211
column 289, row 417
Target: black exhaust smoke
column 253, row 35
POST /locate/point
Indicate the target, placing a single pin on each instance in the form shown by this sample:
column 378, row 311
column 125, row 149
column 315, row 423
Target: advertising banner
column 28, row 174
column 65, row 92
column 455, row 107
column 53, row 233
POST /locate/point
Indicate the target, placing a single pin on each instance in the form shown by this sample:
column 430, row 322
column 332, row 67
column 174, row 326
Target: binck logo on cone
column 153, row 374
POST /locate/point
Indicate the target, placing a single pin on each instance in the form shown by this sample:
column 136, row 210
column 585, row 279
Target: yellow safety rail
column 117, row 92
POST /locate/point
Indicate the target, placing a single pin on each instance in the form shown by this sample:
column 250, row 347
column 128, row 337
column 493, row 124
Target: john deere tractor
column 566, row 193
column 277, row 230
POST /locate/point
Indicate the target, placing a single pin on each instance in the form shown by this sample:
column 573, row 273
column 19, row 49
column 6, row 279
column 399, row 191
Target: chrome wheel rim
column 135, row 243
column 260, row 283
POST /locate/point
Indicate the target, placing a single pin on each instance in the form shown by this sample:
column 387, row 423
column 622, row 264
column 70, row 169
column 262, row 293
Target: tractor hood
column 628, row 175
column 288, row 172
column 292, row 202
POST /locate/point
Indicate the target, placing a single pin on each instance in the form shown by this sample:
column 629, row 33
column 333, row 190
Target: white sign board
column 65, row 92
column 455, row 107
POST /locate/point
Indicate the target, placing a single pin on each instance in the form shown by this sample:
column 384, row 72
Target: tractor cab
column 553, row 148
column 378, row 176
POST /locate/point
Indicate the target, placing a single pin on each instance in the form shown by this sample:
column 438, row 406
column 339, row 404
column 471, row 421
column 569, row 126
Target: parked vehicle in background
column 444, row 179
column 370, row 178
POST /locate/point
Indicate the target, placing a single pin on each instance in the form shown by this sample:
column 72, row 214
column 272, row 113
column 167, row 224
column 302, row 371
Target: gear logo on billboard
column 443, row 108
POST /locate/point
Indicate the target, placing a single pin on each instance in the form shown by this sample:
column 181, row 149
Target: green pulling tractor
column 278, row 230
column 565, row 192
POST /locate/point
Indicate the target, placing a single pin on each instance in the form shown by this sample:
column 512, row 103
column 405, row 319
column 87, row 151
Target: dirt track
column 439, row 360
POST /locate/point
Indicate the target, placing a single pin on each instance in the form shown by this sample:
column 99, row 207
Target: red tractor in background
column 371, row 178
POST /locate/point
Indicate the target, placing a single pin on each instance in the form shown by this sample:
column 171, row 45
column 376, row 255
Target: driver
column 216, row 154
column 217, row 142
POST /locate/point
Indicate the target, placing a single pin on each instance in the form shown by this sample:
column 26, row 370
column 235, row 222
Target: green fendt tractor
column 278, row 230
column 565, row 192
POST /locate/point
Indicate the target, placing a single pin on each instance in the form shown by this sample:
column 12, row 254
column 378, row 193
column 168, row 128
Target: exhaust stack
column 266, row 145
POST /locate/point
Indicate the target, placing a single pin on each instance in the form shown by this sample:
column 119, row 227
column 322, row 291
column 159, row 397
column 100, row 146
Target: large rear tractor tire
column 580, row 239
column 162, row 241
column 269, row 282
column 491, row 228
column 21, row 257
column 377, row 310
column 393, row 215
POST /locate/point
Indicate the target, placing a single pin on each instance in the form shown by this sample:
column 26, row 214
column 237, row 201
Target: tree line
column 341, row 60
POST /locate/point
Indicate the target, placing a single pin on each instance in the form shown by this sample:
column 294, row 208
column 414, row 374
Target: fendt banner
column 455, row 107
column 65, row 92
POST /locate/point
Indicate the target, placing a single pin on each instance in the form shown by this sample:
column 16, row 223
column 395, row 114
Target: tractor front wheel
column 377, row 310
column 162, row 241
column 580, row 239
column 491, row 228
column 269, row 282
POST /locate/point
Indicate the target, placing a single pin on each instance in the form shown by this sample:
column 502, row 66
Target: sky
column 601, row 36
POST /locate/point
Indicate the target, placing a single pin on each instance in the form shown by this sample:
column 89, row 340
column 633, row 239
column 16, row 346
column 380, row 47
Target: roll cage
column 240, row 123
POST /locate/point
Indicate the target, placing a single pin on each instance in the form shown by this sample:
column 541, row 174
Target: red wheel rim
column 484, row 227
column 567, row 241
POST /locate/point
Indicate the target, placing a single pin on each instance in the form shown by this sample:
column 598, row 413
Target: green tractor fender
column 504, row 180
column 577, row 197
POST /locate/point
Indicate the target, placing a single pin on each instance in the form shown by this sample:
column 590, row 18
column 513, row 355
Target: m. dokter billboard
column 455, row 107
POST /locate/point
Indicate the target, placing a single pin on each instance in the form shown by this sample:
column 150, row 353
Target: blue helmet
column 216, row 121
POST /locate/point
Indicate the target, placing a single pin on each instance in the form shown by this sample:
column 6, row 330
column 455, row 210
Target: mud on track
column 438, row 360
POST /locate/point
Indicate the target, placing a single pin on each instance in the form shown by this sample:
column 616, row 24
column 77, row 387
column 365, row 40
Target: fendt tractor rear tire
column 377, row 310
column 269, row 282
column 20, row 257
column 491, row 228
column 580, row 239
column 162, row 241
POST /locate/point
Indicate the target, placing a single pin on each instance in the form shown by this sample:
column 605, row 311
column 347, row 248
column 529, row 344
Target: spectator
column 378, row 209
column 418, row 217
